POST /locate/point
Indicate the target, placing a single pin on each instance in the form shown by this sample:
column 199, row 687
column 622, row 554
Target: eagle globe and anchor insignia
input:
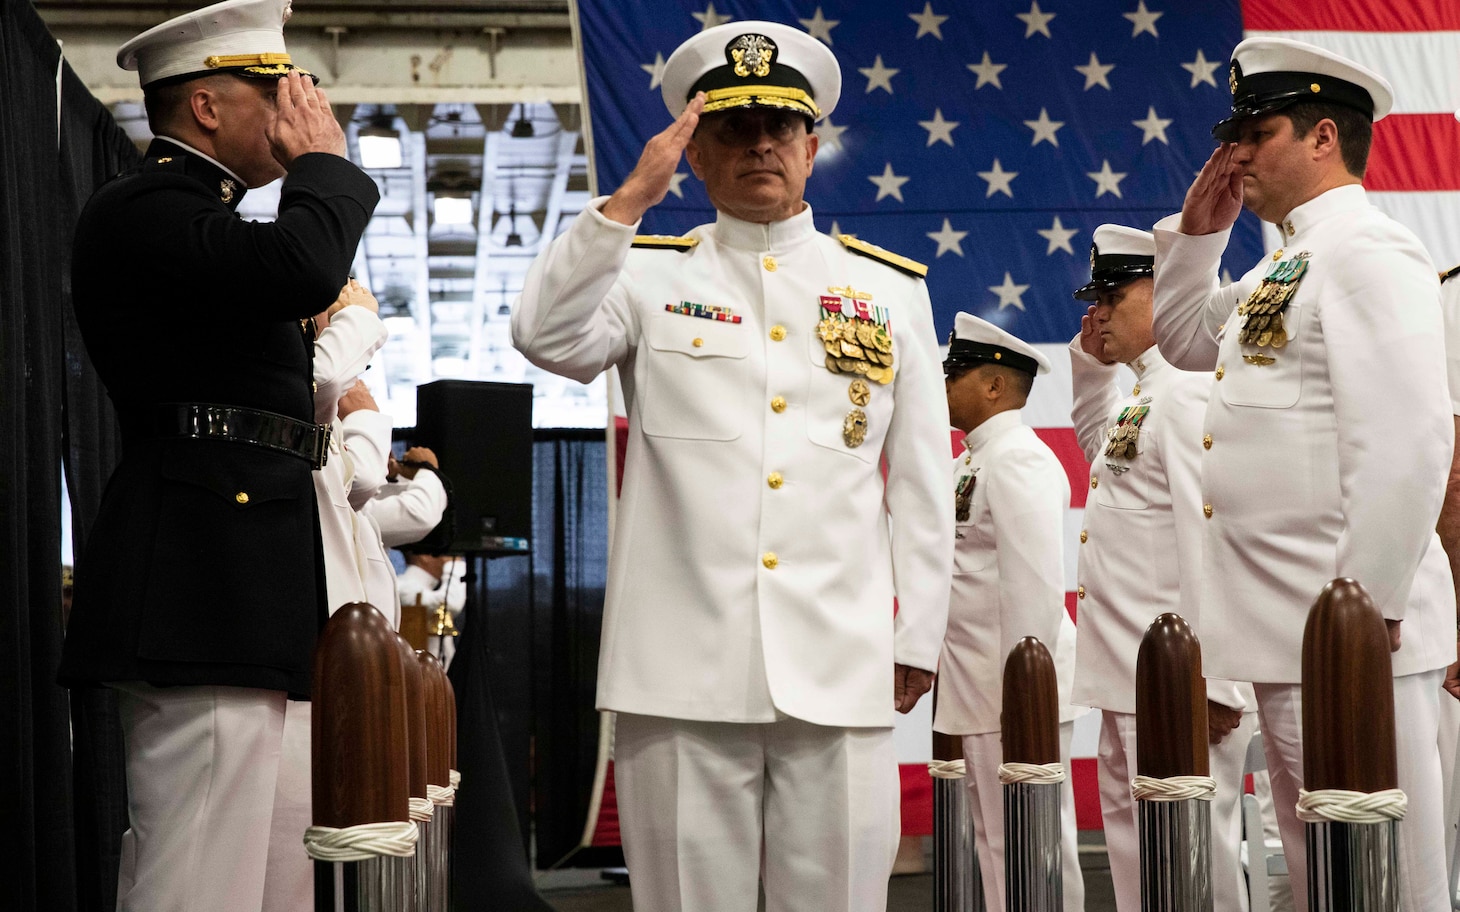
column 751, row 54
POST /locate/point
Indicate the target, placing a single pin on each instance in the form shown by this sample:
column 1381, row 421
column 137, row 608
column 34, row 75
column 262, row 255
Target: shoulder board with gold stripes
column 665, row 242
column 1449, row 274
column 900, row 263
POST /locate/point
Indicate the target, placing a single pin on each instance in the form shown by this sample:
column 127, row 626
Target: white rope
column 1034, row 773
column 454, row 779
column 422, row 810
column 1343, row 806
column 363, row 842
column 443, row 795
column 947, row 769
column 1176, row 788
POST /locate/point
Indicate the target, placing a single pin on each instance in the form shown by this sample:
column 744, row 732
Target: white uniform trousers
column 982, row 755
column 708, row 808
column 1117, row 765
column 201, row 764
column 289, row 878
column 1423, row 875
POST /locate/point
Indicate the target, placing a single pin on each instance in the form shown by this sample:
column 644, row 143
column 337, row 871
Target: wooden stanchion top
column 438, row 761
column 359, row 737
column 450, row 721
column 1031, row 710
column 415, row 692
column 1171, row 702
column 1348, row 693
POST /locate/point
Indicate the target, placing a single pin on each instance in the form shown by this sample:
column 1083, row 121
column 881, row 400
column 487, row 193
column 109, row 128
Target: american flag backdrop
column 988, row 138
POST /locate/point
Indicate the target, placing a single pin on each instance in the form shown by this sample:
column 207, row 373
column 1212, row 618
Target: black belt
column 281, row 433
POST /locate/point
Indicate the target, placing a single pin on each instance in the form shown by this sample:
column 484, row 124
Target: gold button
column 775, row 480
column 1315, row 88
column 1094, row 482
column 1080, row 591
column 1277, row 254
column 1221, row 372
column 778, row 404
column 241, row 497
column 1206, row 510
column 697, row 343
column 313, row 387
column 769, row 262
column 1206, row 442
column 770, row 560
column 778, row 332
column 1084, row 536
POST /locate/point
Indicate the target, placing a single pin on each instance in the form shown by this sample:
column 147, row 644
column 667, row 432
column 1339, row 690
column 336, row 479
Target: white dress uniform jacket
column 1140, row 550
column 1450, row 308
column 1331, row 460
column 757, row 555
column 408, row 509
column 1008, row 574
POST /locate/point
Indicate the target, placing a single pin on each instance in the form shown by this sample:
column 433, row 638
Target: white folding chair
column 1261, row 858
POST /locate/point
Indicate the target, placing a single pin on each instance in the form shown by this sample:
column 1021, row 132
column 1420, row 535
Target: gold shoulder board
column 1449, row 274
column 665, row 242
column 900, row 263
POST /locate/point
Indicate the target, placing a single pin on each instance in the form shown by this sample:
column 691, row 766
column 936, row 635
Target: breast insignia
column 900, row 263
column 665, row 242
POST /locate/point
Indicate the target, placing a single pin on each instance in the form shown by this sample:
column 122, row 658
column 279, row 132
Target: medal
column 854, row 428
column 963, row 496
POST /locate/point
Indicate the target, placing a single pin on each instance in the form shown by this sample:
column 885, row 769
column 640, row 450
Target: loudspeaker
column 482, row 434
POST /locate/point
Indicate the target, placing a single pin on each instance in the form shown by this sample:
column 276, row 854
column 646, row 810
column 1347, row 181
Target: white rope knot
column 422, row 810
column 453, row 779
column 947, row 769
column 443, row 795
column 1033, row 773
column 1343, row 806
column 1176, row 788
column 362, row 842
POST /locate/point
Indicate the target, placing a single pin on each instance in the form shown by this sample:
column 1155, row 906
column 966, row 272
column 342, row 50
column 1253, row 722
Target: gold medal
column 832, row 365
column 859, row 392
column 854, row 428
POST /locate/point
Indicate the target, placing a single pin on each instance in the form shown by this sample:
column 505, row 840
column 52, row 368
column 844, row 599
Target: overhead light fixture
column 514, row 238
column 452, row 207
column 380, row 145
column 523, row 128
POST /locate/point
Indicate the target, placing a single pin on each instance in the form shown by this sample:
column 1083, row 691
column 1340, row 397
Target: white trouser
column 289, row 879
column 1423, row 877
column 707, row 808
column 1117, row 765
column 982, row 755
column 201, row 769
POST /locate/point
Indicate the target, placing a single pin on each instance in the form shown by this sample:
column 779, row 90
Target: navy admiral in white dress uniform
column 1010, row 495
column 749, row 642
column 1331, row 430
column 1140, row 548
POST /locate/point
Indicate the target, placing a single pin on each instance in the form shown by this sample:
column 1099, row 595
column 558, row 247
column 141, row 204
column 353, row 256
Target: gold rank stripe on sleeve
column 1449, row 274
column 896, row 261
column 664, row 242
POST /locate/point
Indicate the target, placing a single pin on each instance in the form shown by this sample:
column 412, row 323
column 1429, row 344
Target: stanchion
column 438, row 780
column 362, row 834
column 1173, row 789
column 1031, row 774
column 1352, row 803
column 957, row 886
column 448, row 811
column 420, row 806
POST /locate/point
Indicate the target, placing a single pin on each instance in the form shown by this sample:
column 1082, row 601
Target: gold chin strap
column 247, row 60
column 764, row 95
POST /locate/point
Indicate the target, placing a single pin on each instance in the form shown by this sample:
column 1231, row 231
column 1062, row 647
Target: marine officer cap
column 242, row 37
column 1118, row 255
column 1269, row 74
column 975, row 341
column 753, row 64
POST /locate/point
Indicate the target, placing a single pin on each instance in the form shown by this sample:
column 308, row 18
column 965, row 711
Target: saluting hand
column 1091, row 342
column 649, row 182
column 908, row 686
column 1214, row 199
column 302, row 122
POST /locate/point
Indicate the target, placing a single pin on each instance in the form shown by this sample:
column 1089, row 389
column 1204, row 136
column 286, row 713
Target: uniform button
column 241, row 497
column 697, row 343
column 778, row 332
column 770, row 560
column 1084, row 536
column 313, row 387
column 778, row 404
column 769, row 262
column 1206, row 442
column 1277, row 254
column 1221, row 372
column 1094, row 482
column 1080, row 591
column 775, row 480
column 1206, row 510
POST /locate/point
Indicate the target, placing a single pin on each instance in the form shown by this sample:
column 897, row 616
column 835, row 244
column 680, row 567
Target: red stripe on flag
column 1350, row 16
column 1415, row 152
column 1067, row 448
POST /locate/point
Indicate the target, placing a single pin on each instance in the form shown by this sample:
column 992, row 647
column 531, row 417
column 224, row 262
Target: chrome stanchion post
column 1031, row 774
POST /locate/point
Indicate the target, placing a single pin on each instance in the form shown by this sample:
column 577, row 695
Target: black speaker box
column 482, row 433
